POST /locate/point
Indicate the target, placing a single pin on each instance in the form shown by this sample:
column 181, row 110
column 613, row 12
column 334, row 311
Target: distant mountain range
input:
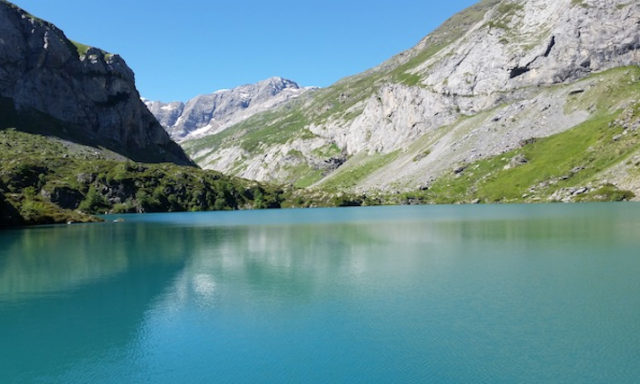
column 210, row 114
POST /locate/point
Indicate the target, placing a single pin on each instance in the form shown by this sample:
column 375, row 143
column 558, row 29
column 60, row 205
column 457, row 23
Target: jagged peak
column 278, row 80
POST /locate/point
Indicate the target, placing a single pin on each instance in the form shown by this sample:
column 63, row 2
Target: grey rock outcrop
column 85, row 93
column 209, row 114
column 536, row 42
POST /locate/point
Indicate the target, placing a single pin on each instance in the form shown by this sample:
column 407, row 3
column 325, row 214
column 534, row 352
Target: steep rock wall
column 90, row 93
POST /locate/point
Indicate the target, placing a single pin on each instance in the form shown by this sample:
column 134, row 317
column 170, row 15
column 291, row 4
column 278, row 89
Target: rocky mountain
column 503, row 80
column 71, row 121
column 209, row 114
column 52, row 85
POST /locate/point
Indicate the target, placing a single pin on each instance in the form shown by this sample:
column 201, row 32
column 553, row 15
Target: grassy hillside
column 563, row 167
column 45, row 180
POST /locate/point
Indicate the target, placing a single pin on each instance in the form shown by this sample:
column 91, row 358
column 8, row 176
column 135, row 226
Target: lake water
column 435, row 294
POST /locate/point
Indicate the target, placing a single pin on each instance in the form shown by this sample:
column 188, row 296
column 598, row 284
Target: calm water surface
column 464, row 294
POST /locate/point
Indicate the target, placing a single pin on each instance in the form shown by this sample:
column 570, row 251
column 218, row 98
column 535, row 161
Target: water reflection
column 71, row 292
column 155, row 300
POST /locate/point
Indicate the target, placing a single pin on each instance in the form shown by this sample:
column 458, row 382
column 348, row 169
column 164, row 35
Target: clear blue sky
column 180, row 49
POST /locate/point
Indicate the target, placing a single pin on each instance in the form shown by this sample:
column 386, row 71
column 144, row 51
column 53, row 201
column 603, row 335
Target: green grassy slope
column 569, row 166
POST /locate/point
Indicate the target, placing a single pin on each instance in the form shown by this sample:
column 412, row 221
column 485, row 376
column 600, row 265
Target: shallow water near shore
column 435, row 294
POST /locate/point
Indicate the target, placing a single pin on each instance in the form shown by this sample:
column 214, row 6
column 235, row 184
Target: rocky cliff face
column 86, row 94
column 209, row 114
column 496, row 74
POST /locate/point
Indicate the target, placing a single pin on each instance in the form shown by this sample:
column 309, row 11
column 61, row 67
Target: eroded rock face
column 92, row 93
column 209, row 114
column 537, row 42
column 395, row 117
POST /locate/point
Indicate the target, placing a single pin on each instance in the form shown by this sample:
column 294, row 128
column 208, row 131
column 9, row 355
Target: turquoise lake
column 432, row 294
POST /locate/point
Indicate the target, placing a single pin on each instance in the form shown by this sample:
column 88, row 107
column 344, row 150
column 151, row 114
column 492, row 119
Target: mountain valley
column 508, row 101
